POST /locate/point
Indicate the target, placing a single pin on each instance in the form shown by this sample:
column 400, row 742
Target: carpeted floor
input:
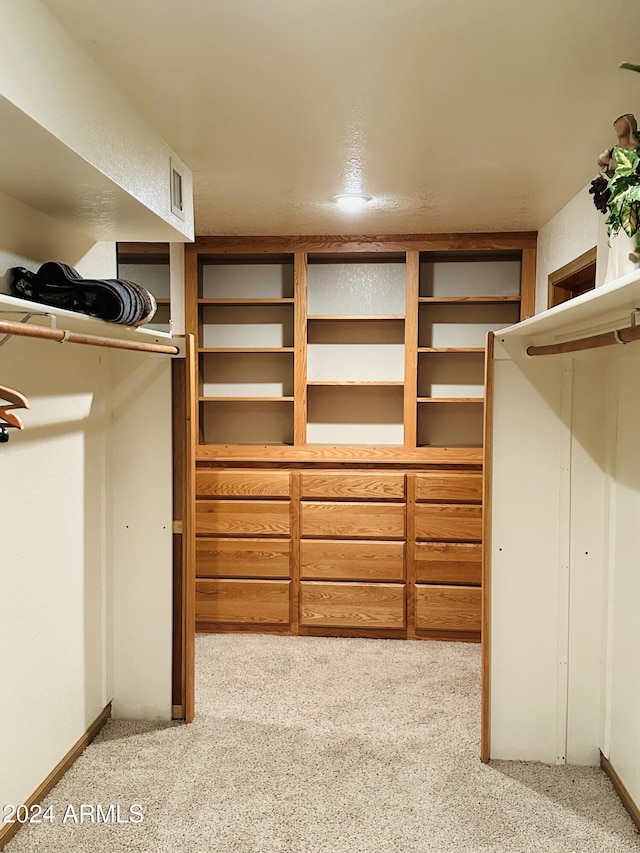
column 307, row 745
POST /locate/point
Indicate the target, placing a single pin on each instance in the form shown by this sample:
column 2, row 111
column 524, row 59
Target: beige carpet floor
column 305, row 745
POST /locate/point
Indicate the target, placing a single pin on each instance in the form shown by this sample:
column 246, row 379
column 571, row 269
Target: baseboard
column 177, row 712
column 622, row 792
column 9, row 830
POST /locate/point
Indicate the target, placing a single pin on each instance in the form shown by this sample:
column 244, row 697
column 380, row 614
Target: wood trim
column 621, row 791
column 528, row 282
column 362, row 243
column 9, row 830
column 25, row 330
column 177, row 712
column 295, row 525
column 178, row 441
column 189, row 533
column 143, row 249
column 300, row 348
column 333, row 454
column 191, row 290
column 411, row 350
column 485, row 622
column 410, row 562
column 576, row 265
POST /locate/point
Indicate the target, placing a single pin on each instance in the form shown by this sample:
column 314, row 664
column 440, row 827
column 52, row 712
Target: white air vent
column 177, row 199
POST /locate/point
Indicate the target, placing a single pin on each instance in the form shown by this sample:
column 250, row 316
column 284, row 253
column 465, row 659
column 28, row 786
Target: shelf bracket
column 26, row 316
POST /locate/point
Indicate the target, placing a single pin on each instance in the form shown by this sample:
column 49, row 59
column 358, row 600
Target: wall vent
column 176, row 186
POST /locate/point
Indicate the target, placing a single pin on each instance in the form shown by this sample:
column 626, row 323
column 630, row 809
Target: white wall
column 574, row 230
column 85, row 573
column 49, row 77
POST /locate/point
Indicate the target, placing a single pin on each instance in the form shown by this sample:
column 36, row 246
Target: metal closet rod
column 606, row 339
column 9, row 327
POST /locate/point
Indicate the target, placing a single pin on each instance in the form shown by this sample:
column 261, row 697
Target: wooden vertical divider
column 411, row 350
column 485, row 738
column 300, row 350
column 294, row 600
column 410, row 550
column 528, row 283
column 192, row 324
column 179, row 452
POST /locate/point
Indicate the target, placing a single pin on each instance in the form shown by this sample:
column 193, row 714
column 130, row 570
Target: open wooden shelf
column 450, row 399
column 349, row 318
column 246, row 399
column 467, row 299
column 364, row 382
column 245, row 349
column 451, row 349
column 248, row 301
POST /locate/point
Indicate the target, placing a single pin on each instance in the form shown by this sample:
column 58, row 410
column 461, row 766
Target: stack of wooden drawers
column 352, row 551
column 371, row 553
column 448, row 553
column 243, row 548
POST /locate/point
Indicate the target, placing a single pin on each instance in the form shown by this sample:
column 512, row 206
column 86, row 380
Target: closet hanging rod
column 10, row 327
column 606, row 339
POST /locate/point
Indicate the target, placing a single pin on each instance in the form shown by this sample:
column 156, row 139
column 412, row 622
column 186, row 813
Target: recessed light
column 351, row 201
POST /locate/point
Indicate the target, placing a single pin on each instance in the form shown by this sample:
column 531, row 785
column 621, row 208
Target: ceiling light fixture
column 351, row 201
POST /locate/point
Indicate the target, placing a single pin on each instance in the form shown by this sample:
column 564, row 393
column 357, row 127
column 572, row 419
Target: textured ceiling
column 456, row 115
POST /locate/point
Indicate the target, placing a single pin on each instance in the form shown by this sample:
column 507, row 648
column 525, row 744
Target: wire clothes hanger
column 8, row 418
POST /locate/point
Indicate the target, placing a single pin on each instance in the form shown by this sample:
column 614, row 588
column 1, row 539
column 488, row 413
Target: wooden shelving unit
column 340, row 403
column 148, row 265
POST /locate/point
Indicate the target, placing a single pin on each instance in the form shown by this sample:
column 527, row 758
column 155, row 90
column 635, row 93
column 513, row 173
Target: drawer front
column 243, row 558
column 355, row 561
column 353, row 521
column 358, row 486
column 240, row 484
column 449, row 486
column 449, row 521
column 448, row 562
column 351, row 605
column 243, row 602
column 242, row 518
column 448, row 608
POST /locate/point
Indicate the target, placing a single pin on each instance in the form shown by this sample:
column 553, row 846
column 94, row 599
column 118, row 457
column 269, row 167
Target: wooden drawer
column 351, row 605
column 240, row 484
column 357, row 561
column 448, row 608
column 243, row 518
column 353, row 520
column 448, row 562
column 449, row 521
column 246, row 558
column 444, row 486
column 243, row 602
column 358, row 486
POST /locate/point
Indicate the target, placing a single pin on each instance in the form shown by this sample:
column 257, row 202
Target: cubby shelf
column 246, row 399
column 248, row 301
column 451, row 349
column 368, row 383
column 245, row 349
column 349, row 318
column 450, row 399
column 469, row 300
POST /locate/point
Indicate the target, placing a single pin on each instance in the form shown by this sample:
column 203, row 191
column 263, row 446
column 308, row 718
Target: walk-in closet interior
column 384, row 434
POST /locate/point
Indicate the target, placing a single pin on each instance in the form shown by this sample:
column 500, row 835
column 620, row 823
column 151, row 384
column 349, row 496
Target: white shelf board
column 601, row 310
column 76, row 322
column 39, row 170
